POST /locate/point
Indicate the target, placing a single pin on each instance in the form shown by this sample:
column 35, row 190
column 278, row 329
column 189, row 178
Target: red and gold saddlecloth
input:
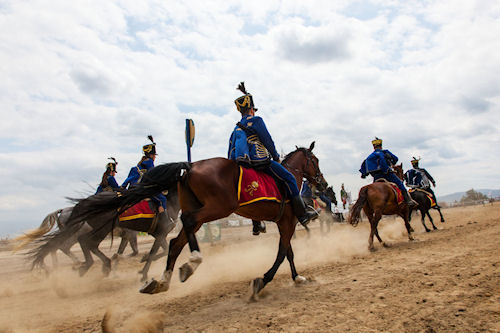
column 138, row 211
column 256, row 186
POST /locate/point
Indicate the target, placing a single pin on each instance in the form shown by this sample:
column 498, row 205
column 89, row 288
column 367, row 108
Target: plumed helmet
column 112, row 165
column 245, row 102
column 414, row 161
column 149, row 148
column 377, row 142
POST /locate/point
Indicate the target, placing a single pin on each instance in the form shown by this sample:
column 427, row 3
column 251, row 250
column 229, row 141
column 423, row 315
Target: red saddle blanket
column 397, row 191
column 399, row 195
column 433, row 203
column 256, row 186
column 138, row 211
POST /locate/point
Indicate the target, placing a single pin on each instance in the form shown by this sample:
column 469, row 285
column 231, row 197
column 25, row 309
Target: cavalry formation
column 252, row 182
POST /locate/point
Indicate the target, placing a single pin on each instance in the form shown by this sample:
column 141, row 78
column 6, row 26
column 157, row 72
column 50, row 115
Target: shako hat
column 245, row 102
column 415, row 160
column 149, row 148
column 377, row 142
column 112, row 165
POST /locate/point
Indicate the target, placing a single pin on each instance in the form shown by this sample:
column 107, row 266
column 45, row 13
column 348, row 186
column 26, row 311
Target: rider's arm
column 264, row 136
column 112, row 182
column 430, row 177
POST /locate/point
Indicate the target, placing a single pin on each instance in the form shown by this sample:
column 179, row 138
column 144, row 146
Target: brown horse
column 379, row 199
column 207, row 192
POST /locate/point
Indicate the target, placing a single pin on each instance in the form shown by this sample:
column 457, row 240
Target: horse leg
column 156, row 245
column 175, row 248
column 89, row 261
column 422, row 214
column 441, row 215
column 409, row 229
column 121, row 247
column 430, row 219
column 132, row 238
column 373, row 229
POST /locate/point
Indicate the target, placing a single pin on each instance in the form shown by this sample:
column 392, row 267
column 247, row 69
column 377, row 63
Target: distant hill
column 458, row 195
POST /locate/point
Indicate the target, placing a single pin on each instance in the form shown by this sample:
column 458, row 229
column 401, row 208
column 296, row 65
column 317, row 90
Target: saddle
column 256, row 186
column 395, row 188
column 433, row 203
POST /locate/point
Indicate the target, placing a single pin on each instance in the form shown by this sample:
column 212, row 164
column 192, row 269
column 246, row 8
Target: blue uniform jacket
column 378, row 162
column 253, row 145
column 135, row 174
column 306, row 190
column 111, row 182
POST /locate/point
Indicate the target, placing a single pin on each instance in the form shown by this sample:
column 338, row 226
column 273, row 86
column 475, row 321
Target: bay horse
column 208, row 190
column 424, row 205
column 100, row 226
column 377, row 199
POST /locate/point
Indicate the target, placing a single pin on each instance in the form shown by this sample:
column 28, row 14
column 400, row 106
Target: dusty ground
column 447, row 280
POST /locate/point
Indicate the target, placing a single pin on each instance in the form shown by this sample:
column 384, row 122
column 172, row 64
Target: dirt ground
column 446, row 281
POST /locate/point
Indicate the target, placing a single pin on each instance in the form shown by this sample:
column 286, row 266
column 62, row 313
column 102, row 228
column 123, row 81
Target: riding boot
column 258, row 227
column 408, row 200
column 299, row 209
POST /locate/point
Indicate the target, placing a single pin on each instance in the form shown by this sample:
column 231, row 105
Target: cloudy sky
column 85, row 80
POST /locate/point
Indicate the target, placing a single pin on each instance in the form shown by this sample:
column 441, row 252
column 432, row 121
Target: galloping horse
column 100, row 226
column 377, row 199
column 59, row 218
column 424, row 205
column 208, row 190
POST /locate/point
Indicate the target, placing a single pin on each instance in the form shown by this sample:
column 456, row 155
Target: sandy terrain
column 447, row 280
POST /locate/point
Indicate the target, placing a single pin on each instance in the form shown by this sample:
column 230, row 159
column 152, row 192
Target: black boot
column 299, row 209
column 258, row 227
column 408, row 200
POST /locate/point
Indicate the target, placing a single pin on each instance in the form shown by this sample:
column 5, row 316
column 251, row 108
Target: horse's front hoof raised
column 185, row 271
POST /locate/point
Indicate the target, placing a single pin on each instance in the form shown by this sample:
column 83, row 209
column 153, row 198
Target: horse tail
column 51, row 242
column 153, row 182
column 355, row 211
column 47, row 224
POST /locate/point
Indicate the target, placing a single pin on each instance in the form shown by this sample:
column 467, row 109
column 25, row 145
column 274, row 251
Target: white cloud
column 87, row 80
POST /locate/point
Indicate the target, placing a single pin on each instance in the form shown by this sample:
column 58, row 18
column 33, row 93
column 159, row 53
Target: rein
column 317, row 177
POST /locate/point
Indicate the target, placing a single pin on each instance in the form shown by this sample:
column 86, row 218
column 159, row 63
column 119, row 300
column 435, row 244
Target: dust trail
column 142, row 322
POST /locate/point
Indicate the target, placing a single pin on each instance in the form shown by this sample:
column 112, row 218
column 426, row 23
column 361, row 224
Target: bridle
column 317, row 178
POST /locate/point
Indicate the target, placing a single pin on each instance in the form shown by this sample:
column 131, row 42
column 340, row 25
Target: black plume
column 112, row 158
column 150, row 137
column 241, row 87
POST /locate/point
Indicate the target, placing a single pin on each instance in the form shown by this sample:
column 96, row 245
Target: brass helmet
column 149, row 148
column 111, row 166
column 245, row 102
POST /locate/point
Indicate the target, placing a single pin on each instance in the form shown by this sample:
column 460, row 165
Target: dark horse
column 207, row 192
column 101, row 225
column 424, row 205
column 379, row 199
column 59, row 218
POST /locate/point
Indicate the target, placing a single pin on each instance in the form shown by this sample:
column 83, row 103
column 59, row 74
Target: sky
column 86, row 80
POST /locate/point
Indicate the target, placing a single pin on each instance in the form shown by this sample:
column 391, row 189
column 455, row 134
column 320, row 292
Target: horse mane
column 287, row 157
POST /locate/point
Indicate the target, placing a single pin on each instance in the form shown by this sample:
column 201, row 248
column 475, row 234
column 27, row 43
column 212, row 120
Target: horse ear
column 312, row 146
column 296, row 147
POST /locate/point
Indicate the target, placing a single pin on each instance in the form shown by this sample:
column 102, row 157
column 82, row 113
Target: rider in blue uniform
column 251, row 145
column 379, row 165
column 420, row 178
column 108, row 182
column 146, row 163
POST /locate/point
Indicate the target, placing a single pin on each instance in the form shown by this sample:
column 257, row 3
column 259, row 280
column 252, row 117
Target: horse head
column 308, row 165
column 330, row 194
column 398, row 170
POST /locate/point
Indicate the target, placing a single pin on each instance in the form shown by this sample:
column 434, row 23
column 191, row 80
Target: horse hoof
column 115, row 256
column 149, row 287
column 299, row 279
column 82, row 270
column 133, row 254
column 106, row 270
column 372, row 249
column 185, row 271
column 144, row 278
column 255, row 287
column 386, row 245
column 144, row 258
column 411, row 229
column 427, row 230
column 442, row 220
